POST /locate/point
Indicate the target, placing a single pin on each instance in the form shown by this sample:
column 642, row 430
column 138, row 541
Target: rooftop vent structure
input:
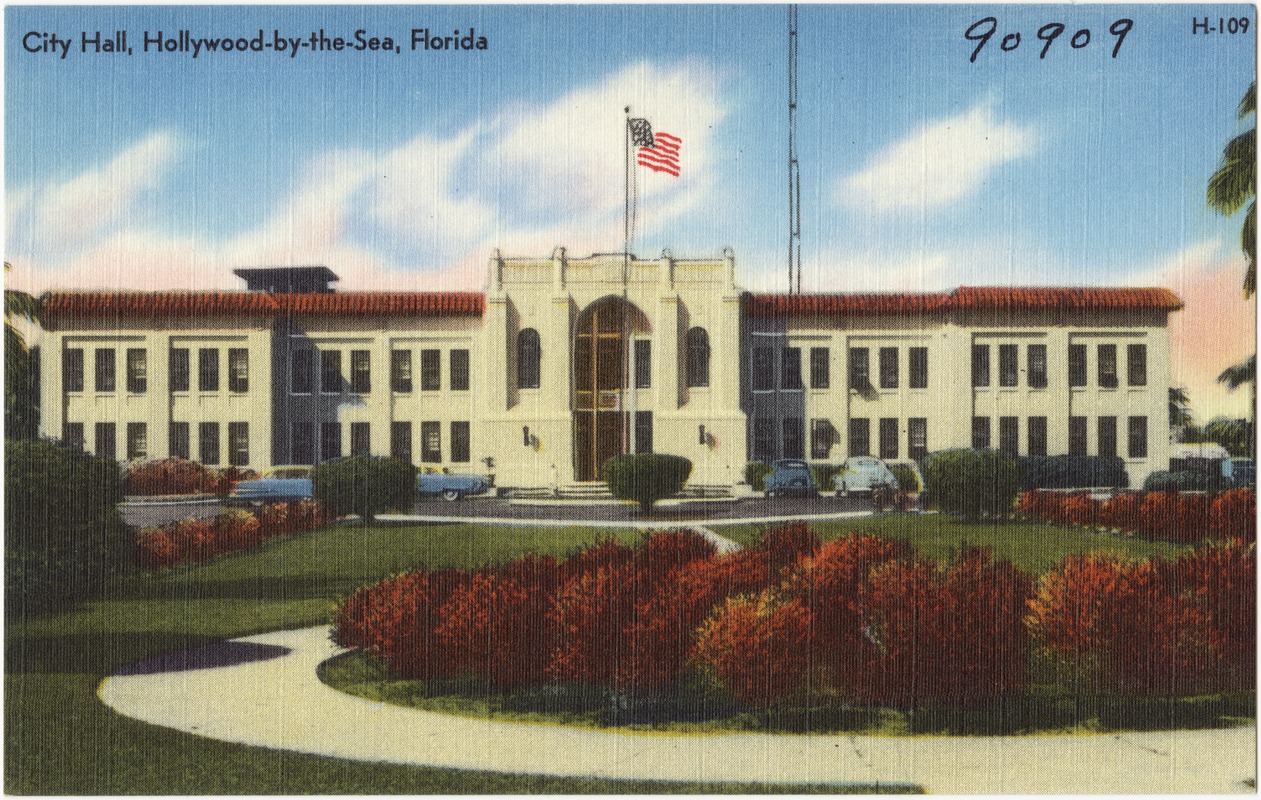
column 290, row 280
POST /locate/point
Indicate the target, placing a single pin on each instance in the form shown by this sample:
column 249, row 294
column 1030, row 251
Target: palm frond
column 1236, row 178
column 1248, row 239
column 1239, row 374
column 21, row 304
column 1248, row 105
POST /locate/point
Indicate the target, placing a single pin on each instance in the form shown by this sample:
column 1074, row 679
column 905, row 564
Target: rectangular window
column 330, row 373
column 888, row 368
column 1008, row 365
column 238, row 370
column 208, row 369
column 301, row 363
column 980, row 365
column 137, row 441
column 1077, row 436
column 643, row 366
column 459, row 370
column 917, row 438
column 401, row 441
column 360, row 439
column 791, row 371
column 239, row 444
column 794, row 437
column 1009, row 435
column 430, row 370
column 106, row 364
column 401, row 371
column 919, row 367
column 1138, row 437
column 72, row 434
column 181, row 372
column 208, row 443
column 431, row 442
column 764, row 440
column 820, row 368
column 178, row 446
column 303, row 447
column 889, row 438
column 1037, row 436
column 1037, row 366
column 137, row 370
column 1136, row 364
column 980, row 433
column 460, row 442
column 1108, row 366
column 859, row 368
column 821, row 436
column 1108, row 436
column 763, row 369
column 106, row 443
column 860, row 437
column 72, row 369
column 1077, row 365
column 360, row 371
column 330, row 441
column 643, row 431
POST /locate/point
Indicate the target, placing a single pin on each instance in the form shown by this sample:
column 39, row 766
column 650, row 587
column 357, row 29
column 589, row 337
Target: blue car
column 790, row 477
column 450, row 486
column 277, row 485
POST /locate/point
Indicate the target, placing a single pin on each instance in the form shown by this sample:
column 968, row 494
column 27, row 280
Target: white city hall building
column 564, row 362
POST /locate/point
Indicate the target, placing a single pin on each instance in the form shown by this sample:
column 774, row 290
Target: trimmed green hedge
column 646, row 477
column 755, row 473
column 1072, row 472
column 1186, row 481
column 971, row 483
column 365, row 485
column 908, row 481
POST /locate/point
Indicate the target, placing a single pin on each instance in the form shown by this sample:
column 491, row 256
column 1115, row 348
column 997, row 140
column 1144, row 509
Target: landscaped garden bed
column 1168, row 515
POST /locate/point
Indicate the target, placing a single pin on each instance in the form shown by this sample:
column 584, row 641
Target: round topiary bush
column 646, row 477
column 365, row 485
column 971, row 483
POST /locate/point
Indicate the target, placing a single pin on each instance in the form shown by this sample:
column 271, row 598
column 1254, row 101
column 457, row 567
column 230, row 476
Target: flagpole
column 628, row 430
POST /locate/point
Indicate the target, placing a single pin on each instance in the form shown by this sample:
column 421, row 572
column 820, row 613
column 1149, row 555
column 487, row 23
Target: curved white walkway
column 262, row 690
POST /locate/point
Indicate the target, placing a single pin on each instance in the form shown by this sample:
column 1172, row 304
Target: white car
column 862, row 474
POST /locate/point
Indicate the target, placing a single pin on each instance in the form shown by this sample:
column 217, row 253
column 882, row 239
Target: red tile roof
column 188, row 304
column 425, row 304
column 773, row 305
column 965, row 298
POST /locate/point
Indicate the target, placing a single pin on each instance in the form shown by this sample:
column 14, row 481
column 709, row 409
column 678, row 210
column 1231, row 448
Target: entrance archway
column 601, row 372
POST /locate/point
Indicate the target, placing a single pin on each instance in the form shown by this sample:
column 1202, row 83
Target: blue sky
column 920, row 169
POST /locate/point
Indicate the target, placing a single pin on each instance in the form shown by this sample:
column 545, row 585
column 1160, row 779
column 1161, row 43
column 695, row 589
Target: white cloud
column 942, row 162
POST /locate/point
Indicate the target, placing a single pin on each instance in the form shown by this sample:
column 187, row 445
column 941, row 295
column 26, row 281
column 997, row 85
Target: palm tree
column 1235, row 183
column 21, row 405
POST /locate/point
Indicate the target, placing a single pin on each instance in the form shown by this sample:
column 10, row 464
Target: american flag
column 661, row 154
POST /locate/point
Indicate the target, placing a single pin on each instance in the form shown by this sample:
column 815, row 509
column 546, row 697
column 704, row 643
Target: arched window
column 697, row 358
column 528, row 353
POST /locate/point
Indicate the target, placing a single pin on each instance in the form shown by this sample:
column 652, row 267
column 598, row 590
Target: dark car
column 790, row 476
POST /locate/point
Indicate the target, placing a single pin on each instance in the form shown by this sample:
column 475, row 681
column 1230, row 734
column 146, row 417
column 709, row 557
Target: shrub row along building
column 565, row 362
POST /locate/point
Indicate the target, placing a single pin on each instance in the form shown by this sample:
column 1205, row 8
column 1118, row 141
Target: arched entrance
column 602, row 384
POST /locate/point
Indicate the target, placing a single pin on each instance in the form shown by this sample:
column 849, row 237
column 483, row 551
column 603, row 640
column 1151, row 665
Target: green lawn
column 59, row 738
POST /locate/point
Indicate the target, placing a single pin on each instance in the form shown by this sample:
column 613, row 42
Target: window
column 529, row 356
column 1077, row 365
column 105, row 369
column 431, row 442
column 1077, row 436
column 860, row 437
column 790, row 369
column 1008, row 365
column 1136, row 365
column 330, row 441
column 430, row 370
column 697, row 358
column 919, row 367
column 401, row 441
column 238, row 443
column 179, row 441
column 1009, row 435
column 401, row 371
column 303, row 448
column 859, row 368
column 888, row 368
column 459, row 370
column 72, row 434
column 889, row 437
column 460, row 442
column 72, row 369
column 794, row 437
column 106, row 444
column 137, row 370
column 208, row 369
column 980, row 365
column 1138, row 436
column 820, row 368
column 764, row 440
column 137, row 441
column 360, row 439
column 821, row 438
column 643, row 431
column 1108, row 436
column 330, row 372
column 180, row 371
column 643, row 367
column 301, row 370
column 208, row 442
column 1037, row 366
column 1108, row 366
column 980, row 433
column 917, row 438
column 238, row 370
column 360, row 371
column 763, row 369
column 1037, row 436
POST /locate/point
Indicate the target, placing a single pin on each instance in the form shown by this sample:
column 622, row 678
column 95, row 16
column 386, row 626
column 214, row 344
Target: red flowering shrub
column 1222, row 578
column 155, row 548
column 758, row 650
column 1233, row 515
column 1122, row 512
column 593, row 611
column 785, row 545
column 168, row 476
column 232, row 531
column 662, row 552
column 237, row 530
column 606, row 554
column 1079, row 508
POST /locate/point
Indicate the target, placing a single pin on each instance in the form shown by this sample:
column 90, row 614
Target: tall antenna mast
column 794, row 170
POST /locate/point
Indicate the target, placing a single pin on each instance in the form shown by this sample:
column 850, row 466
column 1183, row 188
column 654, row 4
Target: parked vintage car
column 276, row 485
column 790, row 477
column 450, row 486
column 863, row 474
